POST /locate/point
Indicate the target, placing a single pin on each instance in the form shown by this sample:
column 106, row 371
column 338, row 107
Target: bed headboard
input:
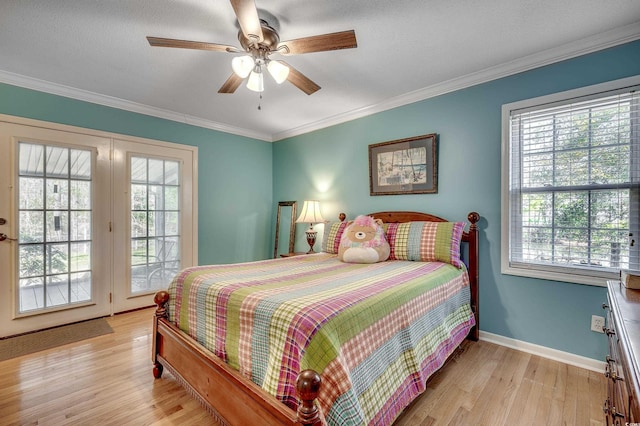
column 469, row 236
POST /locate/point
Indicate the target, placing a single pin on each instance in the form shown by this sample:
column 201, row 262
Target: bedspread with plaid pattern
column 375, row 332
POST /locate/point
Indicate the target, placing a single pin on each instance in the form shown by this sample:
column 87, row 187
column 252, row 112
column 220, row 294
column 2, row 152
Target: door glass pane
column 80, row 164
column 171, row 223
column 80, row 195
column 155, row 207
column 80, row 225
column 31, row 160
column 78, row 286
column 57, row 290
column 32, row 226
column 54, row 229
column 31, row 193
column 80, row 256
column 57, row 229
column 31, row 293
column 57, row 162
column 155, row 171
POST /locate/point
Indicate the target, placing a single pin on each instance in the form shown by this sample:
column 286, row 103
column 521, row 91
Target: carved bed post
column 161, row 298
column 474, row 272
column 307, row 385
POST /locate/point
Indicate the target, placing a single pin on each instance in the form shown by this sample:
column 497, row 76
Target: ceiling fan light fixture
column 256, row 80
column 278, row 71
column 259, row 40
column 242, row 65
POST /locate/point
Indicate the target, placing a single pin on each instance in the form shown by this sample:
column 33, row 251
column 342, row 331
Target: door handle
column 3, row 237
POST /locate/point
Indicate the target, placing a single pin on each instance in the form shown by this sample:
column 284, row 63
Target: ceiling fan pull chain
column 259, row 102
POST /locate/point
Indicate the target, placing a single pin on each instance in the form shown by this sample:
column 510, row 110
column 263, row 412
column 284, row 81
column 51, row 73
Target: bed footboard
column 228, row 396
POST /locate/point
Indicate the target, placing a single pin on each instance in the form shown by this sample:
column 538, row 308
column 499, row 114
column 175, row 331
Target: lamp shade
column 278, row 71
column 310, row 213
column 256, row 82
column 242, row 65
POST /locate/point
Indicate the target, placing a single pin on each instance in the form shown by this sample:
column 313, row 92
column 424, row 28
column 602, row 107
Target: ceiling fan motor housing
column 269, row 43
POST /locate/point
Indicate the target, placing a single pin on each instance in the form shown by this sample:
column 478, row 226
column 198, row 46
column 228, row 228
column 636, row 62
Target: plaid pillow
column 425, row 241
column 332, row 235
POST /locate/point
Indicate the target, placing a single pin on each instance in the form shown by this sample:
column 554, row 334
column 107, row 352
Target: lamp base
column 311, row 240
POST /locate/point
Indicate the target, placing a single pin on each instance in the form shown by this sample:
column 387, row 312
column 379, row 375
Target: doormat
column 23, row 344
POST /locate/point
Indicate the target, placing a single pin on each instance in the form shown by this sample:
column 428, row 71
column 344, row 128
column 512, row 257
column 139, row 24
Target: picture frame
column 404, row 166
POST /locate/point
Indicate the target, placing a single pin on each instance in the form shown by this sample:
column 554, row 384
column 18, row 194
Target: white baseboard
column 543, row 351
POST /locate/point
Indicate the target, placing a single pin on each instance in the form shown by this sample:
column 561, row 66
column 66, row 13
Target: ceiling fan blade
column 319, row 43
column 301, row 81
column 248, row 19
column 232, row 83
column 186, row 44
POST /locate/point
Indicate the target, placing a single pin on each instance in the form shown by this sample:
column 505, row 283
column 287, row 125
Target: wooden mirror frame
column 292, row 226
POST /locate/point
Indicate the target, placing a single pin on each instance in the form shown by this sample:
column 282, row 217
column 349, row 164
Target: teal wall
column 331, row 165
column 235, row 203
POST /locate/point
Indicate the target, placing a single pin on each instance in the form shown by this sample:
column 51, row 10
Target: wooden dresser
column 623, row 368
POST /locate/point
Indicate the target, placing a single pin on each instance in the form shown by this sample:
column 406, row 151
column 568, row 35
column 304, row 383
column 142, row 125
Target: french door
column 89, row 224
column 153, row 201
column 55, row 257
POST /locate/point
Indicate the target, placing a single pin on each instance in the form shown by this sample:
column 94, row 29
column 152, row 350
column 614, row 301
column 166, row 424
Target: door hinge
column 110, row 297
column 110, row 227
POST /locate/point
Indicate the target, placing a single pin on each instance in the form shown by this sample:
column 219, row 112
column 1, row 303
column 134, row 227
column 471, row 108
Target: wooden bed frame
column 235, row 400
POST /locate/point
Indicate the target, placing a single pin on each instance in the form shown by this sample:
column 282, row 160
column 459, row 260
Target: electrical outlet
column 597, row 323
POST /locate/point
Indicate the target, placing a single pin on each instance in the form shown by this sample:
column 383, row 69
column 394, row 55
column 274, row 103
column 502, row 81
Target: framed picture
column 404, row 166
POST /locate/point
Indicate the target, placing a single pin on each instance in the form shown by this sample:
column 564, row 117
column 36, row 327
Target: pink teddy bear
column 363, row 241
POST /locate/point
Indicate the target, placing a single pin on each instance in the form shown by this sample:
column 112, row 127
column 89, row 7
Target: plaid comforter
column 374, row 332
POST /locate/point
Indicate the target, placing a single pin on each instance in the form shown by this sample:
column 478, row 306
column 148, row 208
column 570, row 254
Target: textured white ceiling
column 407, row 50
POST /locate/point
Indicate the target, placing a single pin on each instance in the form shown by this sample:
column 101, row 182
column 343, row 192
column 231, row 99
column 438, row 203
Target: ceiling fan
column 260, row 40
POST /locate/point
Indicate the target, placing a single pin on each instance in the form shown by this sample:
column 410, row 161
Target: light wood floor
column 107, row 380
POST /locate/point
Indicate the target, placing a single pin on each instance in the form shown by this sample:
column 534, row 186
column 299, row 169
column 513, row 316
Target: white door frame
column 11, row 321
column 124, row 299
column 107, row 226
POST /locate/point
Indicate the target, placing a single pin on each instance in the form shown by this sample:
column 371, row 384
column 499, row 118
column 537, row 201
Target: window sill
column 598, row 279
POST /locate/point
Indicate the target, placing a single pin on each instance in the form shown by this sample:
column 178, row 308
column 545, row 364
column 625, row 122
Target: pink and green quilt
column 375, row 332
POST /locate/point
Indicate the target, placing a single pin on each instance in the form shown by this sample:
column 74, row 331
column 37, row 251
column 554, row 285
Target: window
column 155, row 224
column 54, row 244
column 571, row 184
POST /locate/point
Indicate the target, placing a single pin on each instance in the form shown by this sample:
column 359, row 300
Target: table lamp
column 310, row 214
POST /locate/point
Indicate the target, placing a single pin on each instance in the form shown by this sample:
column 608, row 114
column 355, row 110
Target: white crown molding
column 109, row 101
column 545, row 352
column 587, row 45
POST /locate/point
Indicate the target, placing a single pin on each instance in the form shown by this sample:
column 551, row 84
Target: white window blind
column 574, row 184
